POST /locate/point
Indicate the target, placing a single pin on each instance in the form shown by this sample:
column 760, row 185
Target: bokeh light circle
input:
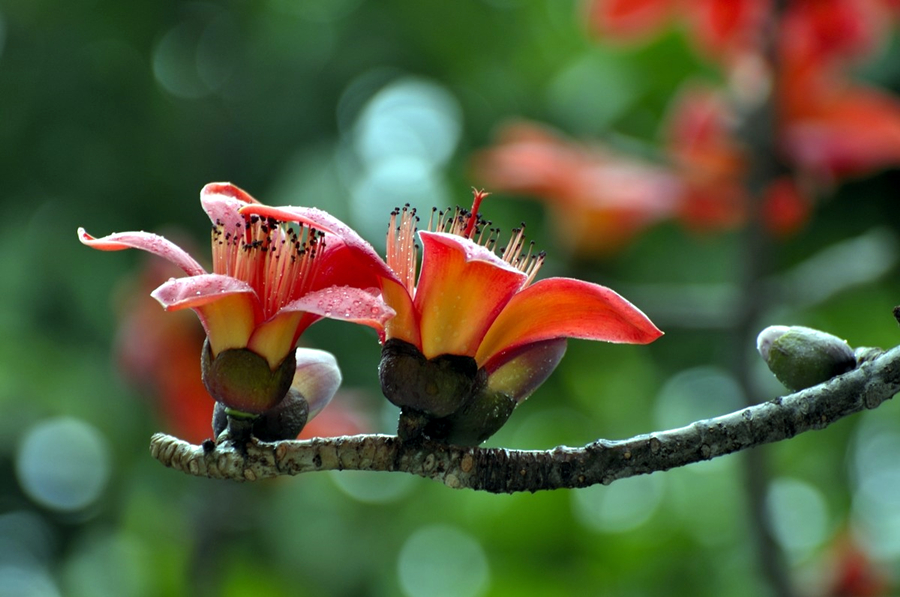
column 409, row 117
column 621, row 507
column 63, row 464
column 26, row 581
column 371, row 488
column 442, row 561
column 798, row 516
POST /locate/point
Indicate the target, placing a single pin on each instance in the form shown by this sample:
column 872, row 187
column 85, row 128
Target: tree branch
column 498, row 470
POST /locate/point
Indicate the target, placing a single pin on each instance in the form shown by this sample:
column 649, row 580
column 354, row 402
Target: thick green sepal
column 241, row 379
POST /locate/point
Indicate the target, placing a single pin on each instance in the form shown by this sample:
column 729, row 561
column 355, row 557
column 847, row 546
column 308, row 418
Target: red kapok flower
column 474, row 336
column 599, row 199
column 270, row 281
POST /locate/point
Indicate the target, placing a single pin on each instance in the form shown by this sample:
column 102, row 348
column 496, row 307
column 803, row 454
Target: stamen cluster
column 402, row 250
column 278, row 261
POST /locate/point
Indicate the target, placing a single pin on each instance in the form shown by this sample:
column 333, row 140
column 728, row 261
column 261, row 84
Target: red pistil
column 478, row 197
column 402, row 250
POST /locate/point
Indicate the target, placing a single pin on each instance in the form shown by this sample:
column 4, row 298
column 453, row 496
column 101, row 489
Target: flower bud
column 802, row 357
column 436, row 387
column 316, row 380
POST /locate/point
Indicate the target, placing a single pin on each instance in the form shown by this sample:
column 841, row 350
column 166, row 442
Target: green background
column 114, row 114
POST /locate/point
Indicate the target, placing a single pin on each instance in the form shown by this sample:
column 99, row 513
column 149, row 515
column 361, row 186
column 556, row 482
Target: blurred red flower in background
column 159, row 352
column 827, row 128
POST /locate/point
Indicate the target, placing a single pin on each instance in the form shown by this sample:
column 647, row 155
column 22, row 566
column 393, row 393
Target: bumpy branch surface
column 498, row 470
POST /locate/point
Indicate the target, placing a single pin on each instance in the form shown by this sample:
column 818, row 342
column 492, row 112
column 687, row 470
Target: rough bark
column 499, row 470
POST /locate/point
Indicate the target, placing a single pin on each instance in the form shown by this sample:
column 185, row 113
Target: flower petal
column 275, row 338
column 146, row 241
column 565, row 308
column 405, row 324
column 222, row 202
column 519, row 372
column 345, row 303
column 279, row 334
column 227, row 307
column 462, row 288
column 348, row 260
column 316, row 378
column 311, row 216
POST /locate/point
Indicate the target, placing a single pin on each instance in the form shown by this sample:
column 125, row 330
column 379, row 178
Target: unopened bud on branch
column 802, row 357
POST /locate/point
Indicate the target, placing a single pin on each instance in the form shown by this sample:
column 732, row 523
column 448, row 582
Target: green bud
column 436, row 387
column 242, row 380
column 802, row 357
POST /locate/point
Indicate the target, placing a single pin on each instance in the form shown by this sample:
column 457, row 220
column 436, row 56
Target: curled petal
column 222, row 202
column 345, row 303
column 565, row 308
column 197, row 291
column 462, row 288
column 146, row 241
column 315, row 218
column 228, row 308
column 316, row 378
column 519, row 372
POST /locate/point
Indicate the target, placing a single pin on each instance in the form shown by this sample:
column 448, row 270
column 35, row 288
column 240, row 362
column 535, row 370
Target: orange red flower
column 270, row 281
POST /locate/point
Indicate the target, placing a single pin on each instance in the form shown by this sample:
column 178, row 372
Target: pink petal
column 317, row 378
column 565, row 308
column 316, row 218
column 228, row 308
column 345, row 303
column 462, row 289
column 355, row 264
column 280, row 333
column 197, row 291
column 146, row 241
column 348, row 260
column 222, row 202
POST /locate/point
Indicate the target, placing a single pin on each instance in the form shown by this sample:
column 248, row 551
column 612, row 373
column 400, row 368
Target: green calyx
column 445, row 399
column 477, row 420
column 242, row 380
column 436, row 387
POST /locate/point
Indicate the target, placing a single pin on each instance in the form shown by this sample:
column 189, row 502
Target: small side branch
column 498, row 470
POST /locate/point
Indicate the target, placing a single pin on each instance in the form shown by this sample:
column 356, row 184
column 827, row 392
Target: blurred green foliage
column 113, row 115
